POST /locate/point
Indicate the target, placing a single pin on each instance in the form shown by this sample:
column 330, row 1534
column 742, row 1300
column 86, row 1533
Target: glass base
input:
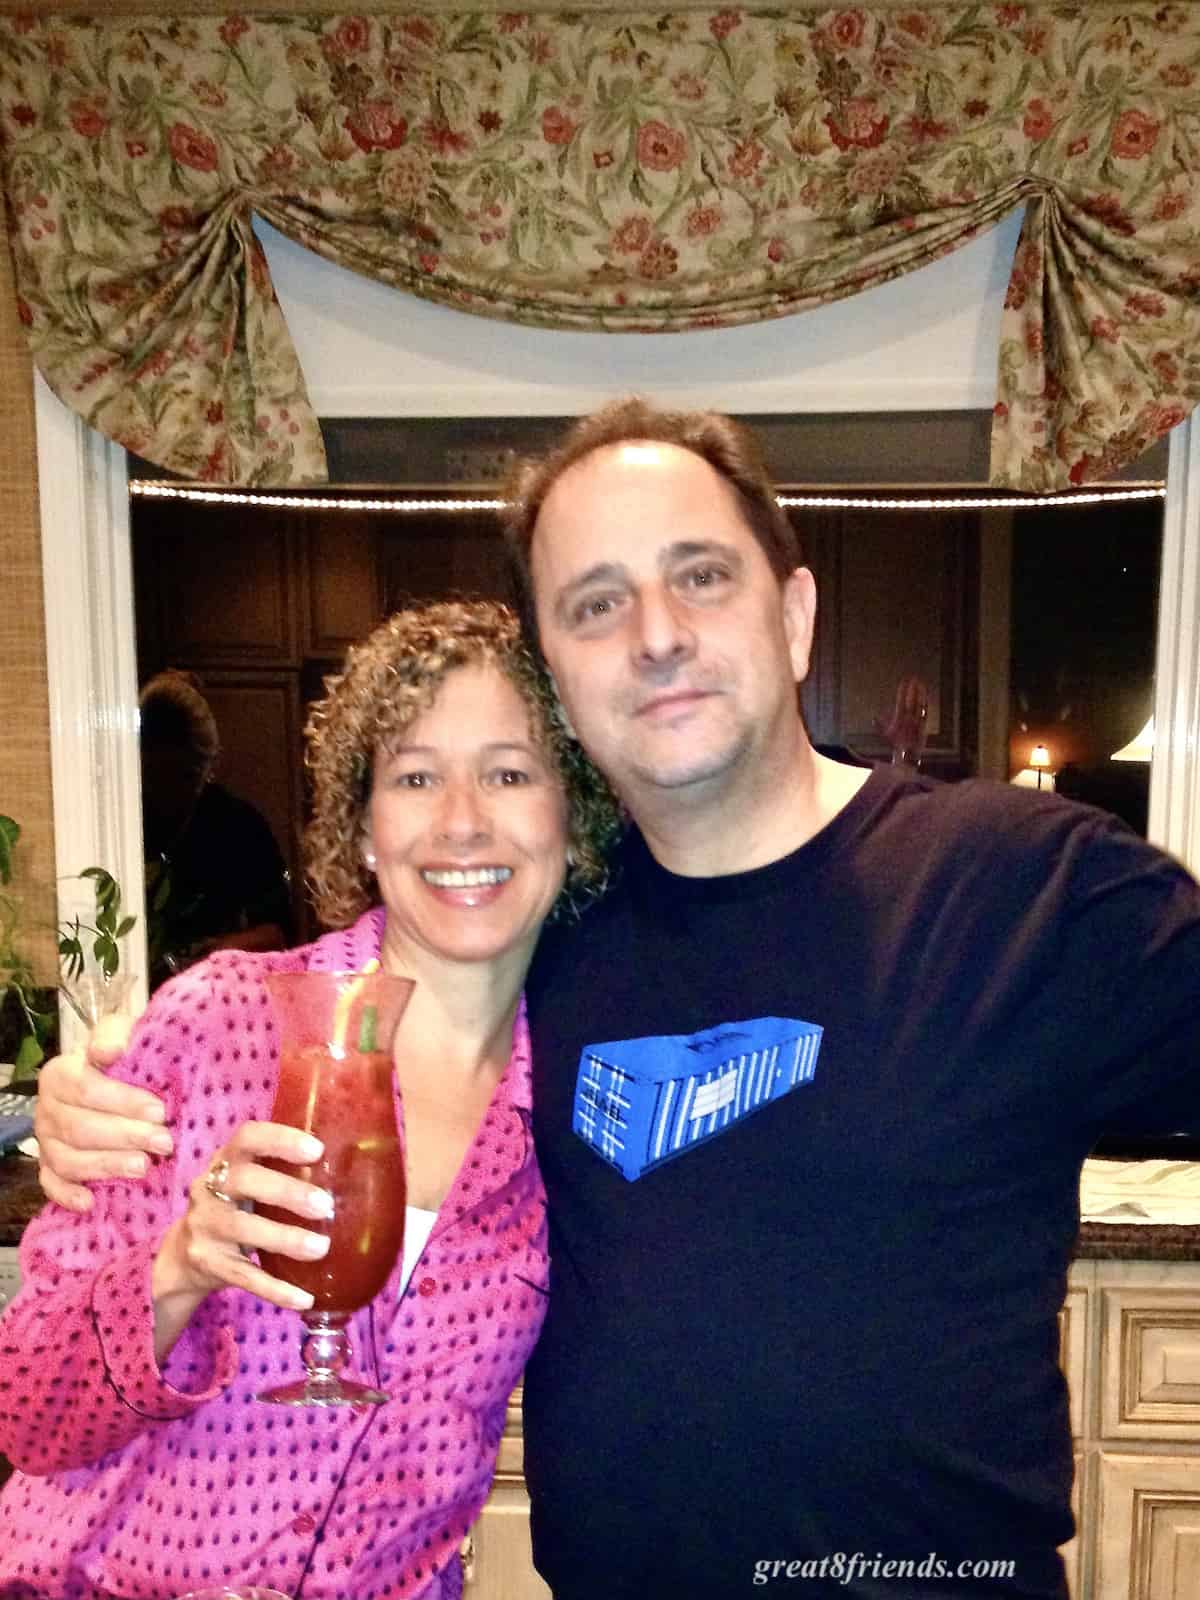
column 313, row 1392
column 324, row 1350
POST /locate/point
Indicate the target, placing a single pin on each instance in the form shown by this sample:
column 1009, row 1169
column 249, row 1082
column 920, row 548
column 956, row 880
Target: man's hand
column 89, row 1126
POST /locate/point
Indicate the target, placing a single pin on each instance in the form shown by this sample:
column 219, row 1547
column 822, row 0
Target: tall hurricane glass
column 335, row 1081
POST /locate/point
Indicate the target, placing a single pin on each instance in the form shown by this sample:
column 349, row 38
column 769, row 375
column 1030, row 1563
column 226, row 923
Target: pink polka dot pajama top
column 136, row 1483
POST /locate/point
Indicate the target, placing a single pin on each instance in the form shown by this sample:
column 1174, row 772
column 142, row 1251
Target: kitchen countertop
column 20, row 1198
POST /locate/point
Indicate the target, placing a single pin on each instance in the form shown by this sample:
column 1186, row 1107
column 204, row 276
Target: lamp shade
column 1037, row 775
column 1140, row 747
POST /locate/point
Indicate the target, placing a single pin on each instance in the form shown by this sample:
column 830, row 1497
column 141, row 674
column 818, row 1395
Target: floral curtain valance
column 619, row 171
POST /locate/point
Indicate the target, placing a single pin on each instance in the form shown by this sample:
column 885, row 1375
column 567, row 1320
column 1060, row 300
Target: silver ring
column 215, row 1180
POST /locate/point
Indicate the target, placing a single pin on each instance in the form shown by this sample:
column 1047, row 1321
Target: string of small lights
column 149, row 489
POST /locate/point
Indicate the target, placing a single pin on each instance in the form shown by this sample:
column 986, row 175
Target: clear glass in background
column 335, row 1081
column 252, row 1591
column 92, row 996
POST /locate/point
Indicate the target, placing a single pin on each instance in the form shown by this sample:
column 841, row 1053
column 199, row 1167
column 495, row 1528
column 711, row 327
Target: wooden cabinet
column 436, row 554
column 340, row 582
column 897, row 597
column 1135, row 1392
column 1150, row 1346
column 1149, row 1514
column 1072, row 1351
column 214, row 588
column 497, row 1563
column 261, row 603
column 497, row 1559
column 260, row 719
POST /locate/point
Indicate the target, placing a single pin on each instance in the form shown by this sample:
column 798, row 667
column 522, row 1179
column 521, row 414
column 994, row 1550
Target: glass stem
column 325, row 1347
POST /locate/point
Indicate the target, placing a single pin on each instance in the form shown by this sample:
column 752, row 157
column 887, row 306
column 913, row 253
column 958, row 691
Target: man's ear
column 799, row 618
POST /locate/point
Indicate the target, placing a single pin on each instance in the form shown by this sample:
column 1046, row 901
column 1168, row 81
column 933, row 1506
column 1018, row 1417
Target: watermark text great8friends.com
column 845, row 1567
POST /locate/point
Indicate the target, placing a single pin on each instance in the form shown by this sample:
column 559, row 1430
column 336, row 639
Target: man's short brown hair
column 729, row 447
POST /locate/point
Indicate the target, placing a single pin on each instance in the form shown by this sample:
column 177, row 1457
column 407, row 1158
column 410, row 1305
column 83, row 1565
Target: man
column 802, row 1321
column 215, row 876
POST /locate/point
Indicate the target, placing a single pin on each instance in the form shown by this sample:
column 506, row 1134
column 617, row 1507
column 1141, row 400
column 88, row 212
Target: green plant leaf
column 106, row 953
column 30, row 1056
column 108, row 928
column 70, row 950
column 10, row 832
column 108, row 894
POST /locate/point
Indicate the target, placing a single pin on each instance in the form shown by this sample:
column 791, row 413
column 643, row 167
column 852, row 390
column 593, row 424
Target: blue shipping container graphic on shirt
column 638, row 1102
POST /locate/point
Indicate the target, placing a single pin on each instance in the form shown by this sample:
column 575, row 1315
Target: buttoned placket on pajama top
column 140, row 1483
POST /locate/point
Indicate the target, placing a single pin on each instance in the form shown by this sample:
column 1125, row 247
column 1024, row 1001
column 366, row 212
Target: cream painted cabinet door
column 498, row 1564
column 1072, row 1354
column 497, row 1559
column 1148, row 1528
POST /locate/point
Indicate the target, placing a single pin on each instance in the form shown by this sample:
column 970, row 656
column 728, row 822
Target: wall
column 924, row 342
column 24, row 709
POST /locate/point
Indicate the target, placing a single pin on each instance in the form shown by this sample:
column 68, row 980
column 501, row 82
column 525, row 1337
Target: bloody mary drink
column 335, row 1081
column 347, row 1103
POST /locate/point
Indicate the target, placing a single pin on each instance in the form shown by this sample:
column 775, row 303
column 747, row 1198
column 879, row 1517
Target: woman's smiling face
column 466, row 825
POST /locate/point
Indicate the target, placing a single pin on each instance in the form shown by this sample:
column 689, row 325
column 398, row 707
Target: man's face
column 674, row 648
column 171, row 783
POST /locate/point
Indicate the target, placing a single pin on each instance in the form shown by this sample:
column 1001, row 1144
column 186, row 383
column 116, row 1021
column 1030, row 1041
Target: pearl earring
column 370, row 859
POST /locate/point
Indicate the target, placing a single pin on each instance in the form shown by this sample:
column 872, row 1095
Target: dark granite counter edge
column 1139, row 1241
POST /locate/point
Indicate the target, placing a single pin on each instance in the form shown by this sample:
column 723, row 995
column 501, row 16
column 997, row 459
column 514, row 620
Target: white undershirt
column 418, row 1225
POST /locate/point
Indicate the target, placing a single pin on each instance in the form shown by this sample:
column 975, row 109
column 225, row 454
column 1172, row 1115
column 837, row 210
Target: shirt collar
column 517, row 1083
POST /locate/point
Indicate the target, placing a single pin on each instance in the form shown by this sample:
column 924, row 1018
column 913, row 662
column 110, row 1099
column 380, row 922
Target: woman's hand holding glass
column 91, row 1127
column 211, row 1245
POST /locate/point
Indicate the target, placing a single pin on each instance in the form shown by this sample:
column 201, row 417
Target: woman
column 446, row 788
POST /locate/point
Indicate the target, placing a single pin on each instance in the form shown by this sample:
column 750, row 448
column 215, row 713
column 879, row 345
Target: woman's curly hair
column 386, row 683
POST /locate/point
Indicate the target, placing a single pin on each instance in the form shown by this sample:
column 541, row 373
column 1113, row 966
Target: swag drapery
column 621, row 171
